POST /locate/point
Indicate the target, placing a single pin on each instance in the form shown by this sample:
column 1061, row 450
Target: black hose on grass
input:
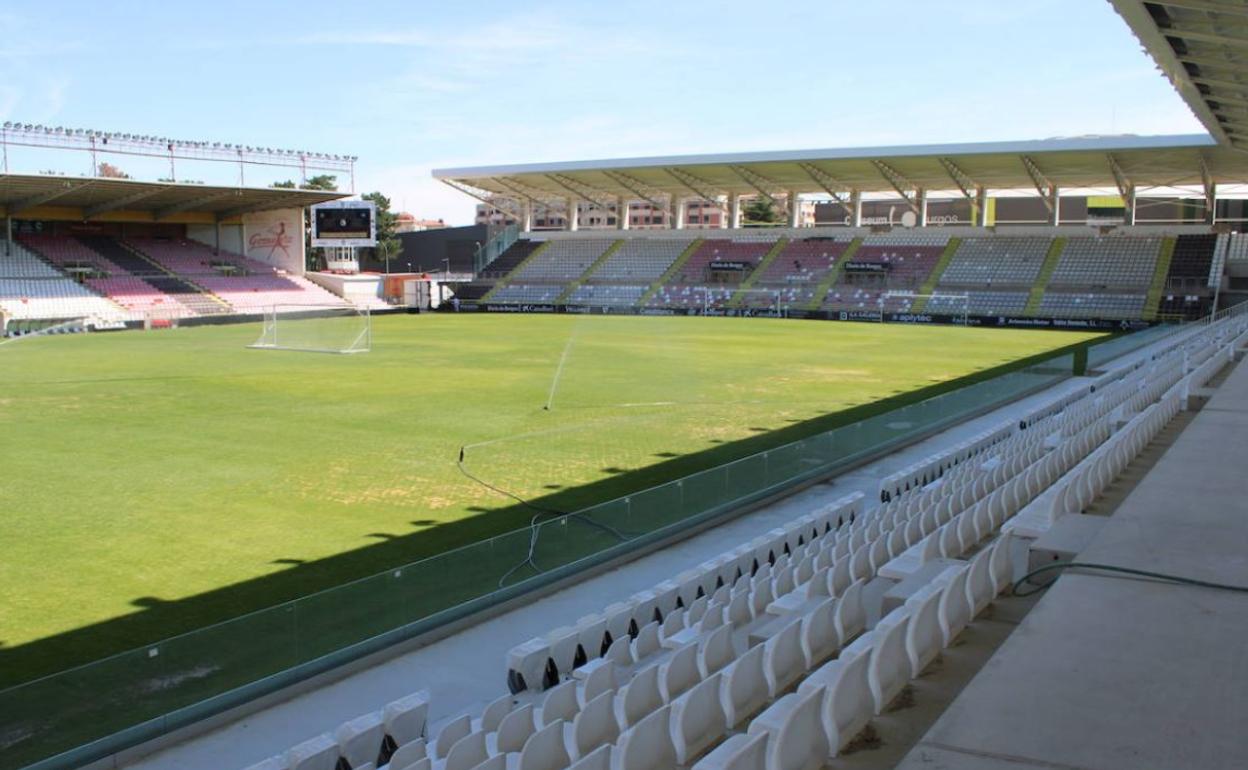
column 1062, row 565
column 535, row 526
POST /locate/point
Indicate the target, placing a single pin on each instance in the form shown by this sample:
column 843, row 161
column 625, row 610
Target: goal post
column 957, row 306
column 316, row 329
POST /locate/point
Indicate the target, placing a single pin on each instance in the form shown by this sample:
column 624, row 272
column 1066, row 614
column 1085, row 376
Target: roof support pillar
column 526, row 215
column 981, row 206
column 795, row 210
column 855, row 202
column 1128, row 206
column 734, row 211
column 574, row 216
column 1211, row 193
column 676, row 217
column 1055, row 205
column 8, row 236
column 621, row 213
column 921, row 201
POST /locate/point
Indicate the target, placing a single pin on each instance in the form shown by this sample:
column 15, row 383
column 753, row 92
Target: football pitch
column 152, row 483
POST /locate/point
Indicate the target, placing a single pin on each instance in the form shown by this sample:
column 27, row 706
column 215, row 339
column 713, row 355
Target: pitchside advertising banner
column 275, row 238
column 869, row 316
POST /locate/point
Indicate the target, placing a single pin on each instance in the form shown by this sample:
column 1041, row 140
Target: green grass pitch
column 143, row 472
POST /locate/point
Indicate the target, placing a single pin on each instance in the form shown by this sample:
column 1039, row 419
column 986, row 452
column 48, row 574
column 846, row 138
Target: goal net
column 957, row 306
column 161, row 318
column 316, row 329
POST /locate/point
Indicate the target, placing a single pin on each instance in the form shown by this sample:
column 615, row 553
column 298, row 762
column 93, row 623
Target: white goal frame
column 961, row 316
column 274, row 315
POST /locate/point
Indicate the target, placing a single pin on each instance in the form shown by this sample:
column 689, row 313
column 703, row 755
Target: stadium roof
column 1202, row 47
column 1124, row 161
column 102, row 198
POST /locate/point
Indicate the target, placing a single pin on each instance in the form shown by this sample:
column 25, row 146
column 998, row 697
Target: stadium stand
column 996, row 261
column 796, row 271
column 1118, row 262
column 32, row 289
column 1053, row 272
column 639, row 261
column 772, row 656
column 517, row 253
column 562, row 261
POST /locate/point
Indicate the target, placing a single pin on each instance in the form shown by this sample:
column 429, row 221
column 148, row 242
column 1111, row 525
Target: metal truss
column 42, row 198
column 645, row 192
column 698, row 186
column 960, row 178
column 122, row 202
column 904, row 187
column 830, row 185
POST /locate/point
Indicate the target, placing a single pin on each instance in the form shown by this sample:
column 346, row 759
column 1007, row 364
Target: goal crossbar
column 341, row 329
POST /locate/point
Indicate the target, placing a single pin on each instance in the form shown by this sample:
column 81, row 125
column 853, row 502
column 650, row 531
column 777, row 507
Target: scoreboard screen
column 344, row 223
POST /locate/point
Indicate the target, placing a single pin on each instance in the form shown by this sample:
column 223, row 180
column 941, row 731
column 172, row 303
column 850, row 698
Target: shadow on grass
column 162, row 619
column 377, row 588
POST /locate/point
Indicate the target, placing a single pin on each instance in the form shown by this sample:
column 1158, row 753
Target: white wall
column 231, row 236
column 275, row 238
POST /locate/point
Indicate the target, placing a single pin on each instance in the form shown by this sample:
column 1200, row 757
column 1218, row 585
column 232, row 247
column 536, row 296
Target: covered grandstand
column 870, row 597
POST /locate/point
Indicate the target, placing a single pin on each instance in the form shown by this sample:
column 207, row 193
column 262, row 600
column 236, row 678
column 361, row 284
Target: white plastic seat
column 796, row 736
column 673, row 624
column 544, row 750
column 849, row 704
column 679, row 672
column 496, row 762
column 598, row 759
column 405, row 718
column 744, row 689
column 641, row 696
column 593, row 727
column 647, row 642
column 850, row 618
column 819, row 638
column 467, row 753
column 493, row 714
column 923, row 637
column 783, row 660
column 698, row 719
column 740, row 752
column 599, row 680
column 424, row 763
column 408, row 755
column 513, row 731
column 839, row 578
column 954, row 612
column 647, row 745
column 715, row 651
column 979, row 589
column 272, row 763
column 360, row 739
column 561, row 702
column 999, row 564
column 452, row 732
column 739, row 613
column 889, row 669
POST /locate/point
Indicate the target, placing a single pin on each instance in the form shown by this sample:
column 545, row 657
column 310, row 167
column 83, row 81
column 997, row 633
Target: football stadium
column 861, row 457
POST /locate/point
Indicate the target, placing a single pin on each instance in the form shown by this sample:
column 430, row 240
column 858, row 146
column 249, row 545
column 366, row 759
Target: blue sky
column 410, row 86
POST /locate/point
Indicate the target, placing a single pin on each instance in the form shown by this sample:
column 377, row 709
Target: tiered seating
column 525, row 294
column 509, row 259
column 1120, row 262
column 640, row 260
column 692, row 296
column 137, row 296
column 796, row 271
column 693, row 272
column 857, row 299
column 65, row 251
column 1191, row 261
column 258, row 293
column 31, row 289
column 606, row 295
column 1062, row 305
column 996, row 261
column 561, row 261
column 980, row 303
column 472, row 292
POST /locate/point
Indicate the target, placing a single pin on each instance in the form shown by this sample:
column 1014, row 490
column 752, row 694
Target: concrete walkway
column 467, row 670
column 1118, row 672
